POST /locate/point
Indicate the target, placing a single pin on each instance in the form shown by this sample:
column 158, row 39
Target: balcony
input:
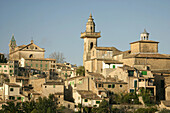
column 90, row 35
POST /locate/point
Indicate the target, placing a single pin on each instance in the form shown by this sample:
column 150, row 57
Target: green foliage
column 146, row 110
column 3, row 59
column 28, row 106
column 103, row 107
column 80, row 70
column 164, row 111
column 131, row 98
column 44, row 105
column 34, row 111
column 146, row 95
column 86, row 109
column 11, row 107
column 126, row 98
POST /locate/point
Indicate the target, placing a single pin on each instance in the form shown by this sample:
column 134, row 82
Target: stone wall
column 37, row 84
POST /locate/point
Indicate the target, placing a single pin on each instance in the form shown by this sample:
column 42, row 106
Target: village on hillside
column 110, row 80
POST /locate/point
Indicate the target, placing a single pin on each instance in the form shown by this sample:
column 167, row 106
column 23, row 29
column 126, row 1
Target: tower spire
column 12, row 44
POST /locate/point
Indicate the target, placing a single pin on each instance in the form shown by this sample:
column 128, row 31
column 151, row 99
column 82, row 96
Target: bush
column 164, row 111
column 146, row 110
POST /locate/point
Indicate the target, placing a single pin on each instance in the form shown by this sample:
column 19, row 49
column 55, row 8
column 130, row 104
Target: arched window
column 91, row 28
column 31, row 56
column 91, row 45
column 144, row 37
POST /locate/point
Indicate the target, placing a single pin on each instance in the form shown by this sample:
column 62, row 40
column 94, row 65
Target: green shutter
column 113, row 85
column 144, row 72
column 97, row 102
column 135, row 83
column 53, row 86
column 36, row 65
column 113, row 66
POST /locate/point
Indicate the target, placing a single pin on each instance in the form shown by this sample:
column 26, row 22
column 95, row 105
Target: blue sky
column 56, row 24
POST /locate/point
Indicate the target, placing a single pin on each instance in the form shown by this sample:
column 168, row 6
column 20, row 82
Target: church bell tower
column 90, row 39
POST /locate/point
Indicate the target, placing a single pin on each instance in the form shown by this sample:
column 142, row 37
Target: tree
column 3, row 58
column 11, row 107
column 58, row 56
column 103, row 107
column 28, row 106
column 80, row 71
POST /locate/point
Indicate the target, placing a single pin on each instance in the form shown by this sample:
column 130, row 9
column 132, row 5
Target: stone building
column 31, row 55
column 145, row 53
column 94, row 55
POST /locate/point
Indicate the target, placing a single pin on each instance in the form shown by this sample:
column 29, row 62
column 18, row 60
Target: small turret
column 12, row 44
column 144, row 35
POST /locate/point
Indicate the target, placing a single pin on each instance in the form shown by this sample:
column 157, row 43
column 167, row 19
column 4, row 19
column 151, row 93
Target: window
column 5, row 70
column 144, row 72
column 45, row 86
column 120, row 85
column 26, row 64
column 113, row 66
column 109, row 86
column 11, row 89
column 11, row 97
column 36, row 65
column 31, row 56
column 91, row 45
column 59, row 96
column 97, row 102
column 0, row 66
column 4, row 66
column 11, row 71
column 99, row 85
column 45, row 65
column 113, row 85
column 85, row 100
column 53, row 86
column 18, row 98
column 131, row 90
column 130, row 73
column 40, row 65
column 31, row 65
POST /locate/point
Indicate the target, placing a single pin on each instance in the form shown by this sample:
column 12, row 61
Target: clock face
column 32, row 47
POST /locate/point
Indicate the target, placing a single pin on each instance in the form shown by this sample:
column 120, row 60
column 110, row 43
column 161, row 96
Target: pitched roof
column 88, row 95
column 107, row 48
column 147, row 55
column 96, row 74
column 112, row 62
column 13, row 85
column 53, row 83
column 144, row 41
column 40, row 59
